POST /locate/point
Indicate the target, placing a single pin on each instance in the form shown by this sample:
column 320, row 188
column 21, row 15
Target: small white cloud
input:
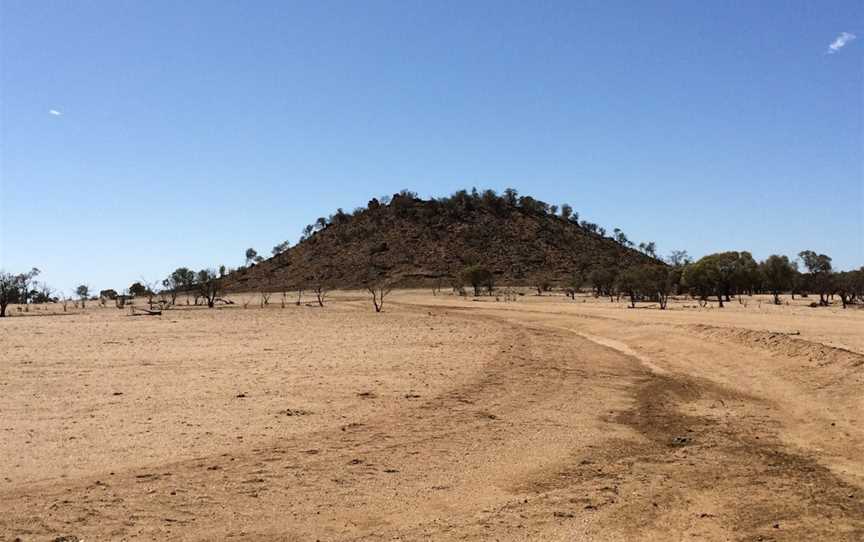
column 55, row 112
column 840, row 42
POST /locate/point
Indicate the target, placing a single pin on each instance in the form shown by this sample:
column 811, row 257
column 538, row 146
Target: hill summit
column 413, row 242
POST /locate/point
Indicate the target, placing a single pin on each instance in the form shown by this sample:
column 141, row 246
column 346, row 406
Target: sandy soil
column 442, row 418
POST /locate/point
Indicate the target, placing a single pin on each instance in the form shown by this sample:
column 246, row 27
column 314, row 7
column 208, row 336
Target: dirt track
column 443, row 418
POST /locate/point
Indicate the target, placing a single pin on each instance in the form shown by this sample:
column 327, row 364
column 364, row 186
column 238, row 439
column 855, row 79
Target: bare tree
column 321, row 290
column 152, row 287
column 436, row 288
column 379, row 290
column 208, row 286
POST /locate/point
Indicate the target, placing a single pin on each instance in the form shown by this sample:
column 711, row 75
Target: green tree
column 285, row 245
column 849, row 285
column 574, row 283
column 678, row 260
column 820, row 274
column 181, row 278
column 10, row 291
column 630, row 281
column 83, row 293
column 658, row 282
column 478, row 277
column 714, row 274
column 138, row 289
column 778, row 274
column 649, row 249
column 747, row 276
column 603, row 281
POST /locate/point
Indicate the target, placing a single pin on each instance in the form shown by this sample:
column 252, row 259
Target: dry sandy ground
column 440, row 419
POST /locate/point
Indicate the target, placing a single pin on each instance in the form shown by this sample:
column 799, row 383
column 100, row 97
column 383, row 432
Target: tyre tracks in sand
column 565, row 433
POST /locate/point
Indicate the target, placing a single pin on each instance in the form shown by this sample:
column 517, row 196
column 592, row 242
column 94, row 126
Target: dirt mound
column 787, row 344
column 416, row 242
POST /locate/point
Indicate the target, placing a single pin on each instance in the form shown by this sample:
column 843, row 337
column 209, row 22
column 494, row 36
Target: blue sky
column 189, row 131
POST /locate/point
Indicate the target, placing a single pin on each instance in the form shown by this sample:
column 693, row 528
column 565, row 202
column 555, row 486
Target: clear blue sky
column 189, row 131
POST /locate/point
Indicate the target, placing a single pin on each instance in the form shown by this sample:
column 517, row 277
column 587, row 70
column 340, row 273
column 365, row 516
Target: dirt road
column 441, row 419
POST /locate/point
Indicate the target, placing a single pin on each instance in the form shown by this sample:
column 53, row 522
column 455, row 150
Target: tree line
column 720, row 276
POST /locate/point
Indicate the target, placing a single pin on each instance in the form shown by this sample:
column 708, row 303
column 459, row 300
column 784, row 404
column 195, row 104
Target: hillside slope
column 415, row 242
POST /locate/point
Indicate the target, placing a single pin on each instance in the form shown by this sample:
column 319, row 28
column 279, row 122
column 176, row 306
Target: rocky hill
column 414, row 242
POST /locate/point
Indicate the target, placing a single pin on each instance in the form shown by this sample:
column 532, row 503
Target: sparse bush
column 540, row 281
column 457, row 285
